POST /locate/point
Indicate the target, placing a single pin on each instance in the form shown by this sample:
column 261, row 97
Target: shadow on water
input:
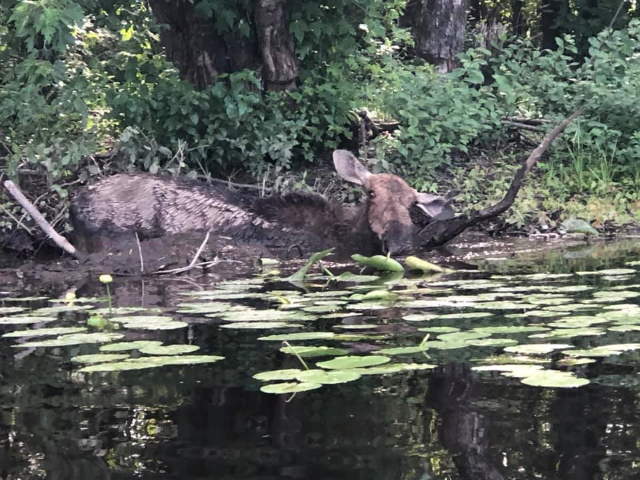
column 212, row 421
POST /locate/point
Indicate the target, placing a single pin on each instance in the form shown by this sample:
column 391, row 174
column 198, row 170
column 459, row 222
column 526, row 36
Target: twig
column 17, row 220
column 140, row 253
column 523, row 126
column 193, row 261
column 39, row 218
column 530, row 121
column 441, row 231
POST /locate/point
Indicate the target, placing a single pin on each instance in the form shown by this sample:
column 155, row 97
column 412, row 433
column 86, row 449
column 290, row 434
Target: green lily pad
column 168, row 349
column 508, row 329
column 419, row 317
column 149, row 322
column 462, row 336
column 328, row 377
column 403, row 350
column 492, row 342
column 569, row 333
column 354, row 361
column 285, row 374
column 513, row 370
column 5, row 310
column 126, row 346
column 603, row 350
column 439, row 329
column 355, row 278
column 251, row 315
column 99, row 357
column 48, row 311
column 25, row 320
column 260, row 325
column 555, row 379
column 43, row 332
column 73, row 339
column 151, row 362
column 293, row 337
column 313, row 351
column 394, row 368
column 537, row 348
column 204, row 307
column 574, row 362
column 289, row 387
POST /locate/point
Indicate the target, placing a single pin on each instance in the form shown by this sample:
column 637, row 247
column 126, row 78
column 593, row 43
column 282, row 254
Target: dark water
column 212, row 421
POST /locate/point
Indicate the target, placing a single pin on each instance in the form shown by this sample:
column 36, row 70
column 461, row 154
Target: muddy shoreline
column 219, row 260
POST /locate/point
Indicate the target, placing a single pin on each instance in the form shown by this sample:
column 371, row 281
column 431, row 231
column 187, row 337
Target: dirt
column 220, row 260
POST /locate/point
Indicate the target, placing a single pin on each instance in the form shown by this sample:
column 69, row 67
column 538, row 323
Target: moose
column 388, row 219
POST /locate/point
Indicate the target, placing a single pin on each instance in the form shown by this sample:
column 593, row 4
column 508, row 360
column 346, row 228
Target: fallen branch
column 193, row 263
column 523, row 126
column 441, row 231
column 31, row 209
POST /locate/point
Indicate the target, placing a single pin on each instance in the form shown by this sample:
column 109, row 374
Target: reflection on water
column 212, row 421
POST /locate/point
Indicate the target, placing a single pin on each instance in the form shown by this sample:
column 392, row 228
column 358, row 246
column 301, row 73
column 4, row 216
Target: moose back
column 387, row 220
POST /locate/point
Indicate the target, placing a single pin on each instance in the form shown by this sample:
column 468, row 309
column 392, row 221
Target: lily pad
column 293, row 337
column 555, row 379
column 168, row 349
column 354, row 361
column 394, row 368
column 314, row 351
column 43, row 332
column 284, row 374
column 328, row 377
column 569, row 333
column 260, row 325
column 403, row 350
column 126, row 346
column 537, row 348
column 99, row 357
column 73, row 339
column 151, row 362
column 492, row 342
column 289, row 387
column 25, row 320
column 5, row 310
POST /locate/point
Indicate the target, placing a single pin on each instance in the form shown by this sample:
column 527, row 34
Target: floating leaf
column 378, row 262
column 168, row 349
column 299, row 276
column 513, row 370
column 42, row 332
column 354, row 361
column 439, row 329
column 99, row 357
column 355, row 278
column 569, row 333
column 394, row 368
column 492, row 342
column 260, row 325
column 151, row 362
column 73, row 339
column 328, row 377
column 285, row 374
column 254, row 315
column 537, row 348
column 403, row 350
column 555, row 379
column 289, row 387
column 313, row 351
column 5, row 310
column 149, row 322
column 603, row 350
column 574, row 362
column 415, row 263
column 508, row 329
column 381, row 294
column 126, row 346
column 292, row 337
column 25, row 320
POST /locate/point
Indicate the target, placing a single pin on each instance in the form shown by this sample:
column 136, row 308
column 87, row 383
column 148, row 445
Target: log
column 42, row 222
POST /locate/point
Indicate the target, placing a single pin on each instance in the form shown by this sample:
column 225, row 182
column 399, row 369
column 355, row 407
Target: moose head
column 389, row 203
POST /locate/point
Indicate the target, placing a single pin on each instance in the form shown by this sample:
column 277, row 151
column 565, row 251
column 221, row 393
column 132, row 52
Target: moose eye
column 371, row 194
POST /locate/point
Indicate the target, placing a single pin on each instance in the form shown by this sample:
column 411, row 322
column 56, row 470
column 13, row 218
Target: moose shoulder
column 387, row 220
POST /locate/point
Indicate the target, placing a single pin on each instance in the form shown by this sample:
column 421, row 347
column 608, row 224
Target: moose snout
column 397, row 239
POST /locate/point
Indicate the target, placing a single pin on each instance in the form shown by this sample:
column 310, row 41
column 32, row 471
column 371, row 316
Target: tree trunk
column 517, row 18
column 279, row 66
column 439, row 33
column 550, row 12
column 202, row 50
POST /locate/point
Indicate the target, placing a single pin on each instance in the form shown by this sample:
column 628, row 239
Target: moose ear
column 349, row 168
column 435, row 206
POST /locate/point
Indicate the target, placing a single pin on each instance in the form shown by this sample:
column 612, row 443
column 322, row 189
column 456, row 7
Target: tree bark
column 439, row 33
column 279, row 65
column 195, row 48
column 550, row 13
